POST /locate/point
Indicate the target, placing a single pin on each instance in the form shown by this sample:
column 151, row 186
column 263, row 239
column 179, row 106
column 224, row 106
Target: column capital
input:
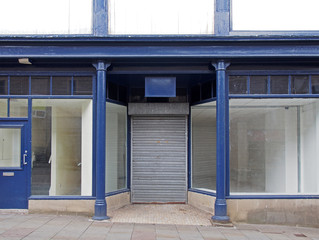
column 220, row 65
column 101, row 65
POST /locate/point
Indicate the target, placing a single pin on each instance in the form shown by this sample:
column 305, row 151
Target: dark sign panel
column 160, row 86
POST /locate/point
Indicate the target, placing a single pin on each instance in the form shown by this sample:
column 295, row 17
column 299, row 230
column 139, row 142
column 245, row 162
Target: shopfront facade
column 104, row 114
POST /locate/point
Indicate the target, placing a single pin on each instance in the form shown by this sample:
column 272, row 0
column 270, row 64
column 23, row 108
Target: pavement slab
column 46, row 226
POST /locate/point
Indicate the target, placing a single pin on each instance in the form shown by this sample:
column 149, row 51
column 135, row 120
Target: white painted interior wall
column 86, row 148
column 161, row 17
column 310, row 148
column 46, row 17
column 291, row 151
column 66, row 152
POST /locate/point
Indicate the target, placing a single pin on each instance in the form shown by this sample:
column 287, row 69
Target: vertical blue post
column 222, row 17
column 100, row 212
column 221, row 142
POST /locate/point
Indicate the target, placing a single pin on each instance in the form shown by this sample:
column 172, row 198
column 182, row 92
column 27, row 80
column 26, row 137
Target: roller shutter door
column 159, row 156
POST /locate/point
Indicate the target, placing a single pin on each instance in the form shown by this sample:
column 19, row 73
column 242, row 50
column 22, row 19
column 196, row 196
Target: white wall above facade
column 146, row 17
column 275, row 15
column 46, row 17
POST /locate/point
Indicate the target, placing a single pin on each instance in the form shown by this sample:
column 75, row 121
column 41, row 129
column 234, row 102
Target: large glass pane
column 273, row 145
column 116, row 122
column 10, row 147
column 18, row 107
column 204, row 146
column 275, row 15
column 62, row 147
column 3, row 107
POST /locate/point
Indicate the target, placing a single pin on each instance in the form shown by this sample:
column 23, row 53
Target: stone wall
column 295, row 212
column 78, row 207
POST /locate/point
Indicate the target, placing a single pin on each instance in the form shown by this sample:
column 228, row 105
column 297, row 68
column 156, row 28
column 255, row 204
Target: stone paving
column 181, row 214
column 15, row 226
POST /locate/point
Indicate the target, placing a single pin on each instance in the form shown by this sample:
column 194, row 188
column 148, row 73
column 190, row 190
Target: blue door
column 13, row 165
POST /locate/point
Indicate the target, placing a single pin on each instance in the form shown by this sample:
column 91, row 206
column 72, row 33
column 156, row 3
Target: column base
column 221, row 221
column 100, row 210
column 100, row 218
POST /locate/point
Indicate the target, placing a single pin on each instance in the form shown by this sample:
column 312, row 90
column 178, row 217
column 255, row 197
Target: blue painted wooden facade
column 104, row 51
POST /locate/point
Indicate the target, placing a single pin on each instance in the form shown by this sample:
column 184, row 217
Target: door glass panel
column 3, row 107
column 18, row 107
column 10, row 147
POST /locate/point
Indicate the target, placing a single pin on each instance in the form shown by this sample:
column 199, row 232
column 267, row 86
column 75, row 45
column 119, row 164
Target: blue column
column 221, row 141
column 222, row 17
column 100, row 212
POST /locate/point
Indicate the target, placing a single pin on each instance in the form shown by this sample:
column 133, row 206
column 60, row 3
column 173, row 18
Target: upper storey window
column 275, row 15
column 149, row 17
column 45, row 17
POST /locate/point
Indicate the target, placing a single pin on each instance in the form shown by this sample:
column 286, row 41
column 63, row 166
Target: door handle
column 24, row 156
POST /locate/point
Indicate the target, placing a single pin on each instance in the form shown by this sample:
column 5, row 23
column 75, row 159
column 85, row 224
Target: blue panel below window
column 160, row 87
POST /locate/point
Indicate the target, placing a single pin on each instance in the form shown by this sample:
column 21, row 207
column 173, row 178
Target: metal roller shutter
column 159, row 156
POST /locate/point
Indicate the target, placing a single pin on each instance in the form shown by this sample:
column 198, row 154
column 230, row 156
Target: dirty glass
column 18, row 107
column 299, row 84
column 3, row 108
column 279, row 84
column 40, row 85
column 10, row 147
column 273, row 145
column 116, row 139
column 204, row 146
column 61, row 147
column 237, row 84
column 258, row 84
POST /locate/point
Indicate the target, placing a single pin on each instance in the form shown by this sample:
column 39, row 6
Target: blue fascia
column 180, row 50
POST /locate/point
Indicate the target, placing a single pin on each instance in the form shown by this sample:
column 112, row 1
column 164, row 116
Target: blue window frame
column 280, row 86
column 19, row 87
